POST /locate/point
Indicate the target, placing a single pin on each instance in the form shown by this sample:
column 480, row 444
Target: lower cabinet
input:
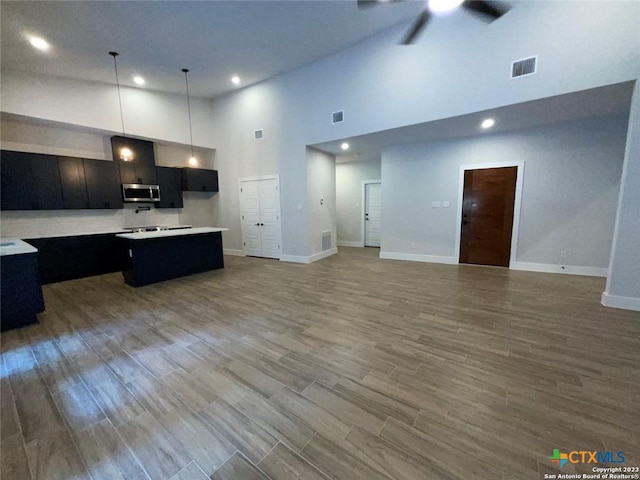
column 21, row 290
column 67, row 258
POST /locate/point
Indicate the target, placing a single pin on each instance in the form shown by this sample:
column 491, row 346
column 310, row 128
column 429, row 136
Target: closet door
column 270, row 218
column 260, row 217
column 250, row 217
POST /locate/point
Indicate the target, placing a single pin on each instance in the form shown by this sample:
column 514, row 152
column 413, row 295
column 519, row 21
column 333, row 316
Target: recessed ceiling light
column 443, row 6
column 487, row 123
column 344, row 146
column 138, row 80
column 39, row 43
column 235, row 80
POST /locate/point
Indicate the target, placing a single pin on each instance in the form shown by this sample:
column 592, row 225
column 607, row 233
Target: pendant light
column 192, row 160
column 126, row 155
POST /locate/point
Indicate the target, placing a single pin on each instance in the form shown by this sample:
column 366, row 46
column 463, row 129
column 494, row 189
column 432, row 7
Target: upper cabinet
column 142, row 168
column 47, row 182
column 103, row 184
column 199, row 180
column 30, row 181
column 169, row 180
column 72, row 179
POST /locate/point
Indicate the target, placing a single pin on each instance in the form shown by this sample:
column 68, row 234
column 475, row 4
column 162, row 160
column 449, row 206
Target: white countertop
column 15, row 247
column 95, row 232
column 170, row 233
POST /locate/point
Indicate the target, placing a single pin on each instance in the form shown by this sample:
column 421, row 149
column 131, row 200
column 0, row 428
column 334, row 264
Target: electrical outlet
column 445, row 204
column 413, row 246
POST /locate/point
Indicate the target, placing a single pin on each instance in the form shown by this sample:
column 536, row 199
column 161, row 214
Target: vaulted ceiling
column 253, row 39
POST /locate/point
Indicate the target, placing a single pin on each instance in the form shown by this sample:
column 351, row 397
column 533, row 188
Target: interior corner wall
column 321, row 188
column 623, row 282
column 570, row 191
column 349, row 178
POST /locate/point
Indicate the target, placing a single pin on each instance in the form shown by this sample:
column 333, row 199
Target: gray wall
column 623, row 285
column 571, row 181
column 349, row 177
column 321, row 181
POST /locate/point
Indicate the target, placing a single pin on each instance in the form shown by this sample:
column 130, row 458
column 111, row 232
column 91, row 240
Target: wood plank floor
column 350, row 368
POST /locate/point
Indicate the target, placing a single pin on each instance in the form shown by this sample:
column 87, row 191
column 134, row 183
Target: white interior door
column 250, row 218
column 372, row 214
column 260, row 217
column 270, row 218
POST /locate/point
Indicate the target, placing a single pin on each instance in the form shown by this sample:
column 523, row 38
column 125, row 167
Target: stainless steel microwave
column 134, row 192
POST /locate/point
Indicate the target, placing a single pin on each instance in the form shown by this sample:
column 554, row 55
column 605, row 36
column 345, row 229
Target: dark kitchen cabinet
column 74, row 185
column 67, row 258
column 199, row 180
column 142, row 169
column 30, row 181
column 103, row 184
column 21, row 294
column 170, row 182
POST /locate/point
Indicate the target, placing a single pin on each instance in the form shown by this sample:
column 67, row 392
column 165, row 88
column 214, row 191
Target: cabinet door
column 72, row 180
column 103, row 184
column 142, row 169
column 145, row 163
column 199, row 180
column 169, row 180
column 14, row 169
column 45, row 191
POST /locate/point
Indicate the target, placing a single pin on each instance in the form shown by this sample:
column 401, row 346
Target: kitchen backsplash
column 31, row 224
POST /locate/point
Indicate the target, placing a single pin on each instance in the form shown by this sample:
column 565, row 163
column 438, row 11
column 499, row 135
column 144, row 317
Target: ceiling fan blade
column 493, row 10
column 416, row 28
column 367, row 3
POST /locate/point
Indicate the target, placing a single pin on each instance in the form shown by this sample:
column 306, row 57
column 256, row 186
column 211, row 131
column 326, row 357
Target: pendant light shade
column 193, row 161
column 125, row 153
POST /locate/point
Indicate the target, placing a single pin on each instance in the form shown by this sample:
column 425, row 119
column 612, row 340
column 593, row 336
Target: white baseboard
column 344, row 243
column 233, row 251
column 310, row 259
column 615, row 301
column 568, row 269
column 415, row 257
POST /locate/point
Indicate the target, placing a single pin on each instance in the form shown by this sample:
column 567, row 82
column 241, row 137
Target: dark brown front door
column 487, row 216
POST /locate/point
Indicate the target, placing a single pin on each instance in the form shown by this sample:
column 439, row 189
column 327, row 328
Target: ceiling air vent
column 524, row 67
column 258, row 134
column 337, row 117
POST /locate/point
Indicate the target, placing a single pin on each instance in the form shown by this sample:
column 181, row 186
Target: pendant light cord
column 186, row 80
column 115, row 64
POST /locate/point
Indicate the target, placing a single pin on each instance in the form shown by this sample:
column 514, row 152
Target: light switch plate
column 445, row 204
column 435, row 204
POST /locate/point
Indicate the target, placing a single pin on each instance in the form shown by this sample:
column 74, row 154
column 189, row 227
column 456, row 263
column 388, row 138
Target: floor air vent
column 326, row 240
column 524, row 67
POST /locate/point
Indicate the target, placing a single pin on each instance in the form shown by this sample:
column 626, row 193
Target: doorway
column 260, row 216
column 488, row 211
column 372, row 214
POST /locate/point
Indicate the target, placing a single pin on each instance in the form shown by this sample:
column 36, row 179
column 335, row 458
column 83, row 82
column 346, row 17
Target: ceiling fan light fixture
column 443, row 6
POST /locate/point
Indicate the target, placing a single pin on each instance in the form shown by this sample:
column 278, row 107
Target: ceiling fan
column 488, row 10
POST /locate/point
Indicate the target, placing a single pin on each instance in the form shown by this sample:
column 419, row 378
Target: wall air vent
column 337, row 117
column 524, row 67
column 326, row 240
column 258, row 134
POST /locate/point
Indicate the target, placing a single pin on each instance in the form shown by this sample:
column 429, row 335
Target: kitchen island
column 21, row 293
column 162, row 255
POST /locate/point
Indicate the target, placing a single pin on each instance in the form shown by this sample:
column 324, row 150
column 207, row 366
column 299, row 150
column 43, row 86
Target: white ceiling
column 215, row 39
column 608, row 100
